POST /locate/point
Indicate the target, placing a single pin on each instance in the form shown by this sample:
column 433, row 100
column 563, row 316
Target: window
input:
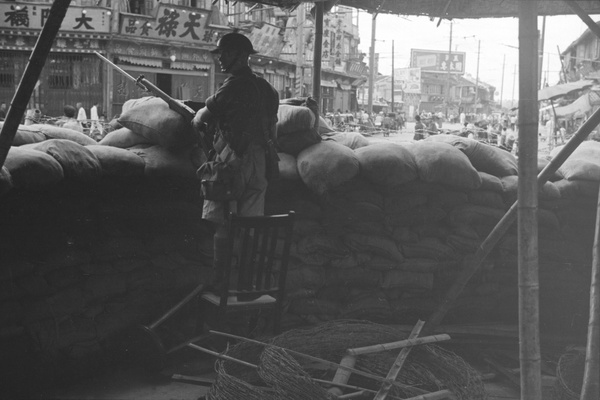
column 7, row 71
column 61, row 74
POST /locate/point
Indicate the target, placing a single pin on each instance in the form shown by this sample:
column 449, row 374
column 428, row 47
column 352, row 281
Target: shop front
column 72, row 72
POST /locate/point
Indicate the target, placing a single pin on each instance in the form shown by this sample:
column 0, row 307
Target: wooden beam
column 583, row 15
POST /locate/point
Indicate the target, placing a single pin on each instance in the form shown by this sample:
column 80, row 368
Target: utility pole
column 512, row 99
column 300, row 16
column 448, row 66
column 477, row 78
column 502, row 86
column 392, row 76
column 372, row 64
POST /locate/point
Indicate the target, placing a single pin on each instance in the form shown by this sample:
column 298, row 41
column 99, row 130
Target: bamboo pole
column 529, row 335
column 376, row 348
column 397, row 366
column 590, row 389
column 319, row 360
column 472, row 263
column 31, row 75
column 254, row 366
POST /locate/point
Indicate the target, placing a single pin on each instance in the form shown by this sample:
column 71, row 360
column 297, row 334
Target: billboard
column 408, row 79
column 438, row 61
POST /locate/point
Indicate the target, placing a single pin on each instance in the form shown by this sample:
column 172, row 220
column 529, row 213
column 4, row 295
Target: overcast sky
column 498, row 38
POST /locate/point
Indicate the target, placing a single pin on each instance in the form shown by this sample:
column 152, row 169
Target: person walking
column 244, row 114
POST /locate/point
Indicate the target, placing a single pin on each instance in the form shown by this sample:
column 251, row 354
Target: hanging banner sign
column 408, row 79
column 267, row 40
column 93, row 20
column 438, row 61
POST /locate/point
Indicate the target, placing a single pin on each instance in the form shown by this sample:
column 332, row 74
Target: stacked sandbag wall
column 98, row 237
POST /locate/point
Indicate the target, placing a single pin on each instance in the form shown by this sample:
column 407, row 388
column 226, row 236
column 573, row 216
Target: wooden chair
column 256, row 268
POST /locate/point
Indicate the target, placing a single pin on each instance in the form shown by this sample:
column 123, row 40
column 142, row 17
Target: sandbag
column 55, row 132
column 296, row 129
column 353, row 140
column 483, row 157
column 577, row 188
column 510, row 187
column 439, row 162
column 431, row 248
column 32, row 169
column 487, row 198
column 583, row 164
column 327, row 165
column 414, row 281
column 123, row 138
column 76, row 160
column 162, row 162
column 26, row 134
column 351, row 277
column 118, row 162
column 129, row 104
column 288, row 168
column 387, row 164
column 330, row 246
column 377, row 245
column 324, row 128
column 471, row 215
column 6, row 183
column 490, row 182
column 154, row 120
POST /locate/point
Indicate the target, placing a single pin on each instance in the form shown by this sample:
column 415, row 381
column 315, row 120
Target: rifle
column 186, row 112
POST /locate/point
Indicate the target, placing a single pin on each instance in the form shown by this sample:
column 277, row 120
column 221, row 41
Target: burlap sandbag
column 387, row 164
column 353, row 140
column 443, row 163
column 483, row 157
column 154, row 120
column 324, row 127
column 76, row 160
column 577, row 188
column 583, row 164
column 510, row 187
column 329, row 246
column 431, row 248
column 55, row 132
column 32, row 169
column 490, row 182
column 118, row 162
column 129, row 104
column 288, row 166
column 296, row 128
column 326, row 165
column 487, row 198
column 472, row 215
column 123, row 138
column 6, row 183
column 377, row 245
column 26, row 134
column 162, row 162
column 414, row 281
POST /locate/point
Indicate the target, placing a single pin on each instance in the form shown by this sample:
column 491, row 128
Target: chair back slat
column 256, row 245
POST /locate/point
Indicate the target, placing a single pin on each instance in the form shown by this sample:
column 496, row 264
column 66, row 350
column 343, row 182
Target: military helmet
column 234, row 41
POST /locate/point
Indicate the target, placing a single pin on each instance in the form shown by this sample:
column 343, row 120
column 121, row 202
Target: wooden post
column 529, row 335
column 31, row 76
column 591, row 387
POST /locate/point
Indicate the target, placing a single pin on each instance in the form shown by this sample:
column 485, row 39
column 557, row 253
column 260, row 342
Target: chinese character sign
column 408, row 79
column 267, row 40
column 174, row 23
column 33, row 16
column 438, row 61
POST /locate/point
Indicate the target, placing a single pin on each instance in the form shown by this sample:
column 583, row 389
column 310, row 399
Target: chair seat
column 232, row 301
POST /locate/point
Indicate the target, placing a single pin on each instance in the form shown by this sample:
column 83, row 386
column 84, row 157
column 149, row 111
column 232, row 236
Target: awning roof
column 453, row 8
column 554, row 92
column 582, row 105
column 146, row 62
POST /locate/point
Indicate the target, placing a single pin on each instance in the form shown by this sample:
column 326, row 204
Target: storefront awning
column 328, row 83
column 345, row 87
column 190, row 66
column 141, row 61
column 581, row 105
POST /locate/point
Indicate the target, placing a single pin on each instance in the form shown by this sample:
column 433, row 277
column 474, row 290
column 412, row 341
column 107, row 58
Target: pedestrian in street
column 68, row 120
column 419, row 129
column 244, row 112
column 2, row 111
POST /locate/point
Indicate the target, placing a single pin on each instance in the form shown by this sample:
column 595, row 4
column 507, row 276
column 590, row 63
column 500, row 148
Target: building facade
column 169, row 43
